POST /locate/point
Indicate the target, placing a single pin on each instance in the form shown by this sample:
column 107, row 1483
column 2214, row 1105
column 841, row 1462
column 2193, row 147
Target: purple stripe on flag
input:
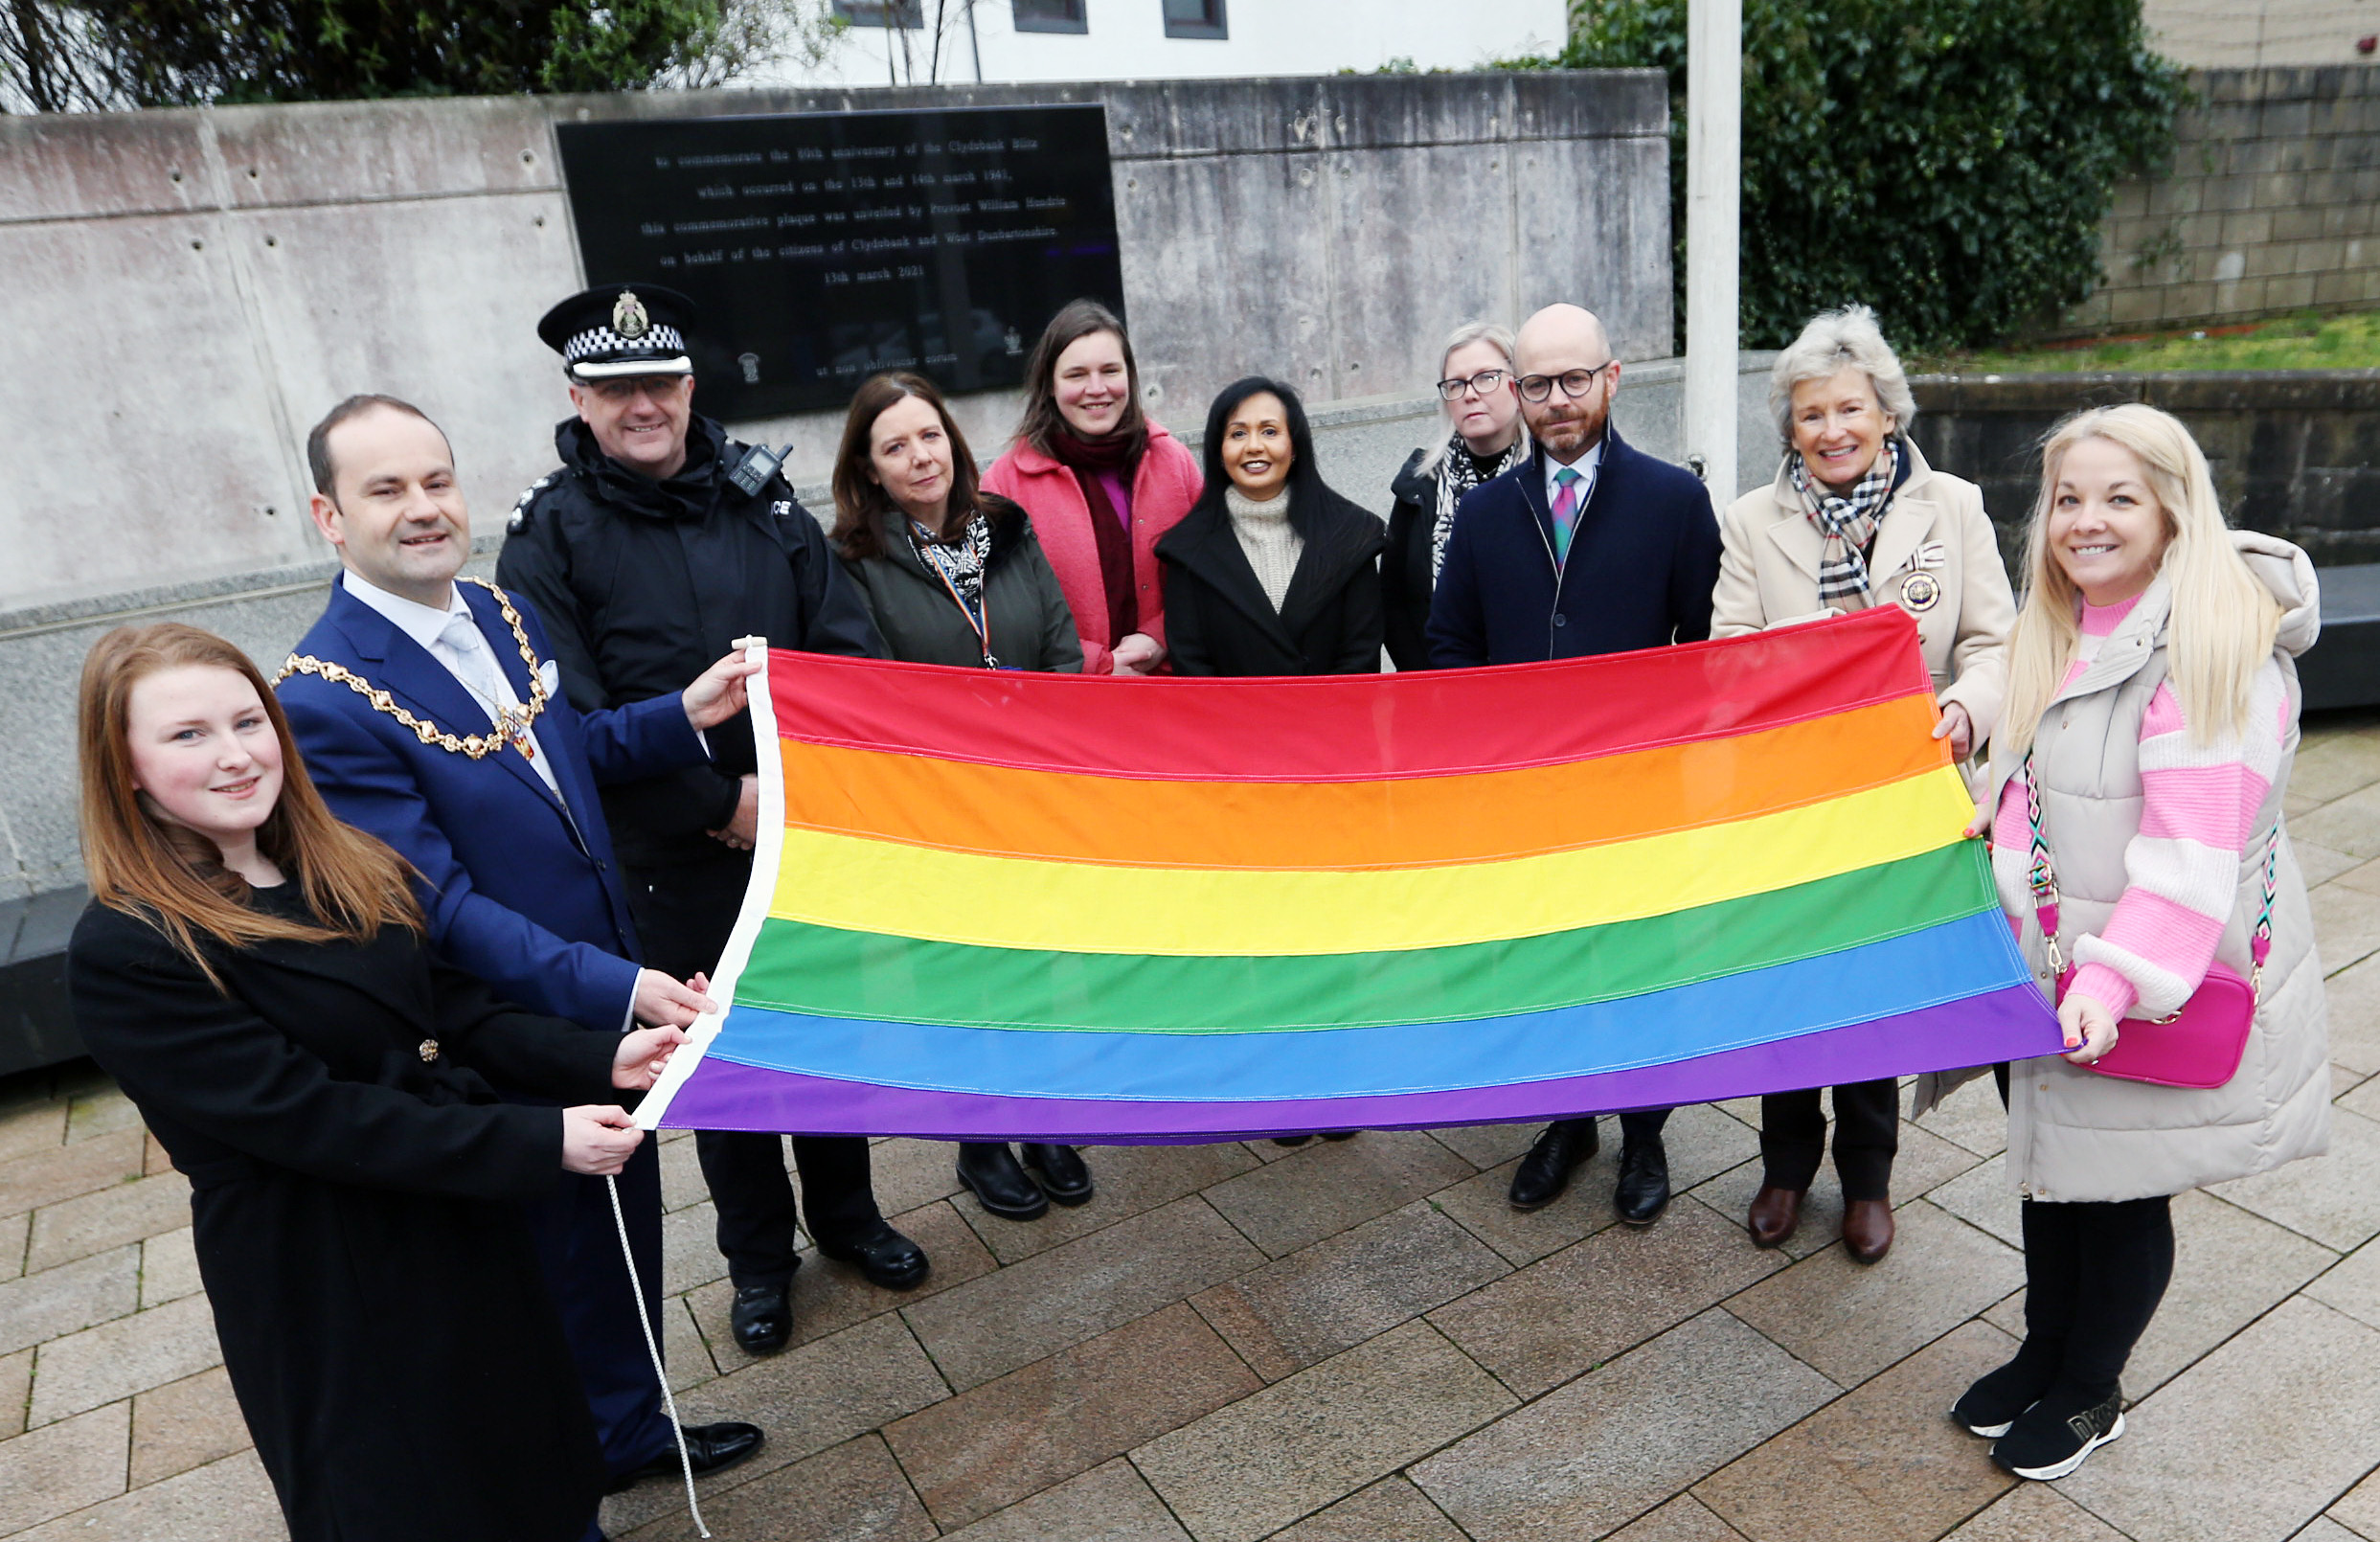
column 2010, row 1023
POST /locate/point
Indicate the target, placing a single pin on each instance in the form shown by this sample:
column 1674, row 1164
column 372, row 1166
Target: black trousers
column 1868, row 1133
column 577, row 1244
column 2094, row 1273
column 1640, row 1124
column 684, row 914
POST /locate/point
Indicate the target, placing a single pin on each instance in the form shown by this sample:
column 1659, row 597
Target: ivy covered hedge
column 1947, row 162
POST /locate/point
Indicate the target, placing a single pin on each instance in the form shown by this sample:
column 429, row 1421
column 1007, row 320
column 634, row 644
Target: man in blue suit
column 429, row 715
column 1587, row 547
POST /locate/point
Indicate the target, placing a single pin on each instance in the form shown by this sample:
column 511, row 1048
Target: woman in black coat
column 1272, row 572
column 254, row 976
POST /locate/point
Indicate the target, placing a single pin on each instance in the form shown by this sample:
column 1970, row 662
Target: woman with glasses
column 1489, row 439
column 1856, row 519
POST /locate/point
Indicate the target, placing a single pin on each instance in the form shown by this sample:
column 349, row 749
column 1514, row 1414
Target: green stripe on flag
column 823, row 971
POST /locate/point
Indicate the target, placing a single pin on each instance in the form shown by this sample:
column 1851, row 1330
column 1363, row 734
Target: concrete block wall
column 2270, row 204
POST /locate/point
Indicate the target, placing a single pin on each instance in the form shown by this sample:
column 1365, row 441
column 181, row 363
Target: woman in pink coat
column 1101, row 482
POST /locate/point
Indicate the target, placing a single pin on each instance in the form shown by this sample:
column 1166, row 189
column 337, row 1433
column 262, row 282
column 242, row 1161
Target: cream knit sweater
column 1272, row 546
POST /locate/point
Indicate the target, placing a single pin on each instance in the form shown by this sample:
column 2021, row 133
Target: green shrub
column 57, row 55
column 1947, row 162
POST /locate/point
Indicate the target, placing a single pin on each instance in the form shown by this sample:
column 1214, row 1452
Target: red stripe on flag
column 1351, row 727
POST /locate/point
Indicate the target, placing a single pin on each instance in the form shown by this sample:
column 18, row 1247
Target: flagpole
column 1714, row 51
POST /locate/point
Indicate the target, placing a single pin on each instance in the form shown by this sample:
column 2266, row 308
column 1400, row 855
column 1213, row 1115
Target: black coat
column 1218, row 621
column 1030, row 625
column 1643, row 560
column 642, row 585
column 357, row 1219
column 1406, row 578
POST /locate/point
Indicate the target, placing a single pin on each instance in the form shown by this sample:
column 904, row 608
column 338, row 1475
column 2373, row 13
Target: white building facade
column 900, row 41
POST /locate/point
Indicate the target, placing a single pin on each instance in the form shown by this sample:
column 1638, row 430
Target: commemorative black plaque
column 823, row 248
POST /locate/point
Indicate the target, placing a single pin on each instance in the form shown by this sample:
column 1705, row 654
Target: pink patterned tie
column 1565, row 512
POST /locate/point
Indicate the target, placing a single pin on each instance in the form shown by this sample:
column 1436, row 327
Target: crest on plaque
column 628, row 316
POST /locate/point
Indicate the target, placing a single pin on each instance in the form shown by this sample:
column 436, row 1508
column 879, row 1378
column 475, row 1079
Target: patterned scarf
column 1458, row 474
column 961, row 564
column 1848, row 524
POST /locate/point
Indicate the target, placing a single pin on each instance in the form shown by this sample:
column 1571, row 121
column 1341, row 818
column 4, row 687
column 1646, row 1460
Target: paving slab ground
column 1349, row 1342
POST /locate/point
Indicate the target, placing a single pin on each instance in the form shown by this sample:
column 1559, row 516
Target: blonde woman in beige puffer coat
column 2153, row 694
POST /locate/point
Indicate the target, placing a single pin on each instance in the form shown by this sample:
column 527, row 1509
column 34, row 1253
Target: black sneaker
column 2051, row 1439
column 1993, row 1403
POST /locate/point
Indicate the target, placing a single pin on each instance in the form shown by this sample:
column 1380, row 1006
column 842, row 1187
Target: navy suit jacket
column 1643, row 560
column 521, row 887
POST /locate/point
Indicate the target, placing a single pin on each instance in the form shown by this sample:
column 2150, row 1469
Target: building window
column 1195, row 18
column 881, row 12
column 1051, row 15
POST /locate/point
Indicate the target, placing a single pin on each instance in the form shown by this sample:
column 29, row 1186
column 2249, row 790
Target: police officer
column 647, row 560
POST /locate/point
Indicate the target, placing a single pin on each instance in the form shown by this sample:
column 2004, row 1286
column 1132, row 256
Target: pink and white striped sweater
column 2199, row 805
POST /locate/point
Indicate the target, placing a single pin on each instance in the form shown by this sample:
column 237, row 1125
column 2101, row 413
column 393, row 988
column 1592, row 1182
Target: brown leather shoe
column 1868, row 1229
column 1775, row 1214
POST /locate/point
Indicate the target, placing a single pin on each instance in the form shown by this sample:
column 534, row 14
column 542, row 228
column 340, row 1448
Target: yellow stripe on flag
column 866, row 885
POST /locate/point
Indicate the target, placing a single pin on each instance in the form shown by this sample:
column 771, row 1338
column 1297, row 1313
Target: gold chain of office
column 513, row 728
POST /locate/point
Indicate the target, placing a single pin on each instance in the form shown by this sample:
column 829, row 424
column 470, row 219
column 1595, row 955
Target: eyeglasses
column 1487, row 382
column 1574, row 382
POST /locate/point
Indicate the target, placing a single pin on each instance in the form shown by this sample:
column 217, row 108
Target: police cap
column 620, row 328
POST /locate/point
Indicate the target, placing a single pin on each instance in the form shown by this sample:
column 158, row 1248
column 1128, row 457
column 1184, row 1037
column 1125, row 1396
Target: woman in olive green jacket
column 953, row 576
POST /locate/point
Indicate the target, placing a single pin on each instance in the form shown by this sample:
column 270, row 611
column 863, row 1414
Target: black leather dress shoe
column 762, row 1320
column 1060, row 1171
column 1545, row 1172
column 883, row 1255
column 709, row 1448
column 989, row 1170
column 1643, row 1193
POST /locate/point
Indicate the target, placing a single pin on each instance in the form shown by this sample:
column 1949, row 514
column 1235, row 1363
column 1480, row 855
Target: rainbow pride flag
column 998, row 905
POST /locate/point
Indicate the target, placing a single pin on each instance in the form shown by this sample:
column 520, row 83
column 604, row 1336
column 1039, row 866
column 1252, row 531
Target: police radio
column 753, row 471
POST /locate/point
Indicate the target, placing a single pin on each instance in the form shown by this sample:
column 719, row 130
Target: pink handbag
column 2201, row 1045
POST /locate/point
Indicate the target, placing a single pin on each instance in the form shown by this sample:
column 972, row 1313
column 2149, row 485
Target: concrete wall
column 2295, row 453
column 2229, row 35
column 2271, row 204
column 1125, row 39
column 188, row 291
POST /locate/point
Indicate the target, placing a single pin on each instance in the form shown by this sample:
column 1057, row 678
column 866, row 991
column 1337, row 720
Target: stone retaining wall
column 2296, row 453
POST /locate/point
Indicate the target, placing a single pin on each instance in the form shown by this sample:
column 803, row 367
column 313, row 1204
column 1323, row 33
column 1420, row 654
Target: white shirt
column 1586, row 465
column 468, row 658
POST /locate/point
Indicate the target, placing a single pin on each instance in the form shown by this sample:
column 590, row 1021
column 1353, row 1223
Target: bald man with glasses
column 1587, row 547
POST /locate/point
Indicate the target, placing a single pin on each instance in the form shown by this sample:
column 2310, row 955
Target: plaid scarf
column 1848, row 524
column 1457, row 475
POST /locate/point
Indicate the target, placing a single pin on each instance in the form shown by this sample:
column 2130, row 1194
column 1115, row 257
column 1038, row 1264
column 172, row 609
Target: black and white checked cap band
column 597, row 353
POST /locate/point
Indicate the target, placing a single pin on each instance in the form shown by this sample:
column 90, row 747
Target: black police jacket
column 642, row 585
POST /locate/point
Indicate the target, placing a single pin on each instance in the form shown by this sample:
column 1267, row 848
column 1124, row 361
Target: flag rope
column 652, row 1345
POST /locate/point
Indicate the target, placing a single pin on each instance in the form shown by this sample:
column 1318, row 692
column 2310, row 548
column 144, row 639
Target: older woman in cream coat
column 1855, row 519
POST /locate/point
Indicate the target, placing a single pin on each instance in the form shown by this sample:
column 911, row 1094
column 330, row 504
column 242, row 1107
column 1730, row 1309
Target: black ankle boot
column 989, row 1171
column 1060, row 1171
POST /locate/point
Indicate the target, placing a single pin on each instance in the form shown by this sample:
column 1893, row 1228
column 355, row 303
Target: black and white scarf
column 1458, row 474
column 1849, row 523
column 961, row 563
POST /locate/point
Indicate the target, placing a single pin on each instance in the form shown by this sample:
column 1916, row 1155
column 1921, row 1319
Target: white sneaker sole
column 2058, row 1470
column 1988, row 1432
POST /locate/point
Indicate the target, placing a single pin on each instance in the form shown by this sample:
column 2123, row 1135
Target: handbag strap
column 2041, row 877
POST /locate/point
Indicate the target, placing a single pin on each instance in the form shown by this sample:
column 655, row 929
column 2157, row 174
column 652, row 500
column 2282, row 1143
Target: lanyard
column 978, row 616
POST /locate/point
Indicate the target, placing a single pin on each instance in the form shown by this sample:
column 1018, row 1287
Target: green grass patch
column 2308, row 340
